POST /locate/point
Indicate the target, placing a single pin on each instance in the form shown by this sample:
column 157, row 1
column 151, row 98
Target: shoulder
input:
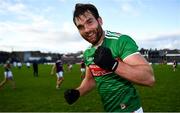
column 126, row 38
column 118, row 36
column 112, row 35
column 126, row 46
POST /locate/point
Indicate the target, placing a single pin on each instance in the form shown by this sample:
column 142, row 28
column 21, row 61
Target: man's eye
column 90, row 22
column 80, row 27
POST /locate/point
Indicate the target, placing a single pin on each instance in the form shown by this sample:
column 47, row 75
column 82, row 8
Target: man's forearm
column 86, row 86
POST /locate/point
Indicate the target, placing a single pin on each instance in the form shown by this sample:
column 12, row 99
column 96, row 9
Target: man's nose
column 86, row 29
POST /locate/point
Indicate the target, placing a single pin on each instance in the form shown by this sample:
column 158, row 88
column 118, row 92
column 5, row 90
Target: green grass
column 165, row 94
column 40, row 95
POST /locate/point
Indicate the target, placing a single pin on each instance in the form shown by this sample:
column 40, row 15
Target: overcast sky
column 47, row 26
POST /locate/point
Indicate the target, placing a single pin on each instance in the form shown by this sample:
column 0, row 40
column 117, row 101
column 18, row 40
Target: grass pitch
column 38, row 94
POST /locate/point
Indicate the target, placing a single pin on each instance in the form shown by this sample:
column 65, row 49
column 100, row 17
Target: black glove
column 71, row 95
column 104, row 59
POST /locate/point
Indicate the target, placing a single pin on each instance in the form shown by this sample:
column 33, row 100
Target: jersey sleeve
column 127, row 46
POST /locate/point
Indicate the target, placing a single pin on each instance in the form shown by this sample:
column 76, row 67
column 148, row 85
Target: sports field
column 38, row 94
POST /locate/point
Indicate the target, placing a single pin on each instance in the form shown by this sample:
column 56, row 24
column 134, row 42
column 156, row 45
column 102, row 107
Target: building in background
column 152, row 55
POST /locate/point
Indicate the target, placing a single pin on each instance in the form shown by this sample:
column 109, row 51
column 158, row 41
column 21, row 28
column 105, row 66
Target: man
column 174, row 65
column 58, row 66
column 19, row 64
column 8, row 76
column 82, row 70
column 35, row 68
column 28, row 65
column 113, row 64
column 70, row 67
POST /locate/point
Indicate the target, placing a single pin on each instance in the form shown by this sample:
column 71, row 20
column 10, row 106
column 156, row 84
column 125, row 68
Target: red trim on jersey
column 97, row 71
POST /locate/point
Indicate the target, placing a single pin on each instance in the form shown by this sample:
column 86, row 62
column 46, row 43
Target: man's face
column 89, row 27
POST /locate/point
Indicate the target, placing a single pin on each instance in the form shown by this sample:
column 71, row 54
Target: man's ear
column 100, row 21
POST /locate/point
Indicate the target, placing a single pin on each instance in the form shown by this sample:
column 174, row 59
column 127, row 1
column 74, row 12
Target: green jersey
column 117, row 93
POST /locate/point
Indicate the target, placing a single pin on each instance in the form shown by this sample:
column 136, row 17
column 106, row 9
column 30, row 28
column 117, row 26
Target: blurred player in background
column 28, row 65
column 8, row 76
column 113, row 63
column 58, row 67
column 19, row 64
column 70, row 67
column 35, row 68
column 174, row 65
column 82, row 70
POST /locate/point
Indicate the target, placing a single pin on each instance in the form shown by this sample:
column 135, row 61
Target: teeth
column 90, row 34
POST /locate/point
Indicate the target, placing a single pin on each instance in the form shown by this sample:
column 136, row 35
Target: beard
column 98, row 31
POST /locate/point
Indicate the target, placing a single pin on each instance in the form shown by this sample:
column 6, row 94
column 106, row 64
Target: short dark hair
column 81, row 8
